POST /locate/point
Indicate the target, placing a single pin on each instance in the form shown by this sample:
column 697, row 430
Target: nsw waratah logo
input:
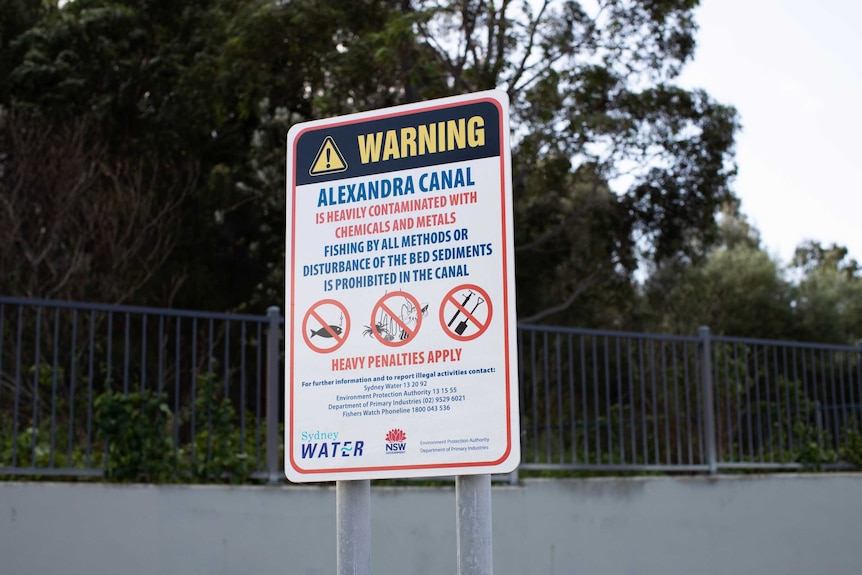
column 396, row 441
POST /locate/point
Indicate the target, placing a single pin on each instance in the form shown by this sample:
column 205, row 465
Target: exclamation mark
column 328, row 154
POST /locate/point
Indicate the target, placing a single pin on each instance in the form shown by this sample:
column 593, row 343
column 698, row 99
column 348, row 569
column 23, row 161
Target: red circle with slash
column 465, row 311
column 326, row 330
column 382, row 306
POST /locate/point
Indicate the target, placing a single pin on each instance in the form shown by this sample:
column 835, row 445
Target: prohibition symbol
column 396, row 319
column 465, row 312
column 326, row 325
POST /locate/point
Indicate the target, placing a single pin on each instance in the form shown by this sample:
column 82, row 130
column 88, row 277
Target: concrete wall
column 788, row 524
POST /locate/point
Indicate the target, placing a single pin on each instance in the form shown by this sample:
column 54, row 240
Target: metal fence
column 590, row 400
column 207, row 371
column 618, row 401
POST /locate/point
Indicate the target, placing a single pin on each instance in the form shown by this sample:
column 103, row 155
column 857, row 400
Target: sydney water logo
column 329, row 449
column 396, row 441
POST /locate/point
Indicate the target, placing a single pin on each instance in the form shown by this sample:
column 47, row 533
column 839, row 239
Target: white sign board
column 401, row 352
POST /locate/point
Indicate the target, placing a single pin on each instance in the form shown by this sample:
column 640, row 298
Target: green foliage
column 220, row 82
column 828, row 298
column 851, row 444
column 135, row 426
column 138, row 429
column 219, row 454
column 813, row 446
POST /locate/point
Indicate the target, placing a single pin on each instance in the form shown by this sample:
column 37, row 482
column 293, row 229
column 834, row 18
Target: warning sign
column 329, row 160
column 403, row 218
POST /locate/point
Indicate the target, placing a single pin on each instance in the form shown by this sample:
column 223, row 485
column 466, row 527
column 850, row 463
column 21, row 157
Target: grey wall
column 787, row 524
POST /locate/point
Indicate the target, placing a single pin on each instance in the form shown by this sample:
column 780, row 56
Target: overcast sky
column 792, row 70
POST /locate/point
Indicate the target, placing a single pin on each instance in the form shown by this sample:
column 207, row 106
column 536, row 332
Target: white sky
column 793, row 70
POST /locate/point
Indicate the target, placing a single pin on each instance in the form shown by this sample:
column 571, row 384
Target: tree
column 612, row 162
column 18, row 17
column 828, row 297
column 76, row 223
column 737, row 288
column 143, row 73
column 593, row 111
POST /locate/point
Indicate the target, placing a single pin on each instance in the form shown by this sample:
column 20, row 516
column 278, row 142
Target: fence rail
column 590, row 399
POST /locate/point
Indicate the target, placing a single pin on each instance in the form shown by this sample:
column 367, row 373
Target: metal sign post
column 473, row 524
column 400, row 327
column 353, row 519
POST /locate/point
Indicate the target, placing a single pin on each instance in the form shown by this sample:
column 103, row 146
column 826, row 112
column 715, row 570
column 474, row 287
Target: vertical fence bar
column 768, row 401
column 708, row 410
column 143, row 352
column 17, row 402
column 177, row 367
column 72, row 381
column 584, row 400
column 126, row 354
column 90, row 377
column 546, row 376
column 272, row 396
column 632, row 425
column 796, row 390
column 847, row 382
column 729, row 399
column 522, row 379
column 685, row 370
column 535, row 396
column 560, row 421
column 832, row 407
column 859, row 382
column 109, row 379
column 54, row 369
column 789, row 389
column 2, row 318
column 161, row 351
column 242, row 384
column 209, row 391
column 259, row 395
column 572, row 415
column 608, row 426
column 666, row 411
column 757, row 403
column 678, row 426
column 193, row 370
column 596, row 401
column 645, row 434
column 226, row 363
column 820, row 403
column 852, row 396
column 653, row 392
column 37, row 368
column 620, row 401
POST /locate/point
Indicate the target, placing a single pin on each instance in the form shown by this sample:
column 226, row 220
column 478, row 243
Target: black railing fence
column 72, row 374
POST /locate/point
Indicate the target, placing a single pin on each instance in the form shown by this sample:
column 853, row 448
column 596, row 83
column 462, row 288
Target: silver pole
column 473, row 524
column 353, row 516
column 708, row 404
column 273, row 383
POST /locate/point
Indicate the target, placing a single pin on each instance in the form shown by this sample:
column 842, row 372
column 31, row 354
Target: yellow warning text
column 410, row 141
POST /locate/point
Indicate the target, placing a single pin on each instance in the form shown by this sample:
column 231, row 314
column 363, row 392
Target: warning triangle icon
column 328, row 160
